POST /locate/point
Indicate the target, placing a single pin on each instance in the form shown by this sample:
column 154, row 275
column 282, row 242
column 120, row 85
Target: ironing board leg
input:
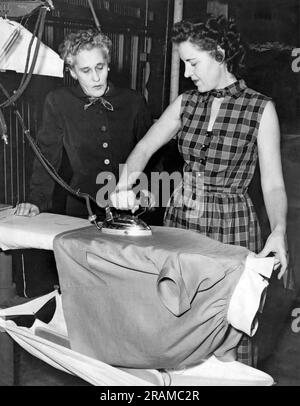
column 9, row 360
column 7, row 287
column 9, row 351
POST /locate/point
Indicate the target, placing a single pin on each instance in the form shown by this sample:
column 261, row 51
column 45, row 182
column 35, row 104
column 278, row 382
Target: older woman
column 96, row 123
column 222, row 128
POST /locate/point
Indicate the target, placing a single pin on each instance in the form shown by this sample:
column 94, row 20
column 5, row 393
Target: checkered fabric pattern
column 219, row 165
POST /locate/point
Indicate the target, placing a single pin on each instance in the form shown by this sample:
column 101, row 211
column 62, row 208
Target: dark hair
column 208, row 36
column 74, row 42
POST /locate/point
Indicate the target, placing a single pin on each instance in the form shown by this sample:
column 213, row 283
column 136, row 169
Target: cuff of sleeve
column 246, row 298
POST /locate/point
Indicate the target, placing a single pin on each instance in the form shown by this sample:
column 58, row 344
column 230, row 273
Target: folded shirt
column 169, row 300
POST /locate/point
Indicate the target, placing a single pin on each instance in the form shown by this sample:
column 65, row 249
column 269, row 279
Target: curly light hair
column 209, row 35
column 74, row 42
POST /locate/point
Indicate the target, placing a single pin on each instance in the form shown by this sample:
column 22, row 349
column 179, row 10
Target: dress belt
column 191, row 178
column 234, row 190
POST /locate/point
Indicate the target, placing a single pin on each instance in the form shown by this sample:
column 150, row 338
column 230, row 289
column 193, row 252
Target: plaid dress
column 219, row 165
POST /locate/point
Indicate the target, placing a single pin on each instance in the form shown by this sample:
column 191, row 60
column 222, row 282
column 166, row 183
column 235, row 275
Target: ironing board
column 52, row 345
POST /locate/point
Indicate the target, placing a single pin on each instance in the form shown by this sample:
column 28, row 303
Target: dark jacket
column 94, row 140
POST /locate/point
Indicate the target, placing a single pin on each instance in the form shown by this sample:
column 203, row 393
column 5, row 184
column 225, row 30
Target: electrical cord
column 37, row 24
column 53, row 173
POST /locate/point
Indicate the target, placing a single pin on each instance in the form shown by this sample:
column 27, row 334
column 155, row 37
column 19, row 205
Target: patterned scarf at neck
column 105, row 103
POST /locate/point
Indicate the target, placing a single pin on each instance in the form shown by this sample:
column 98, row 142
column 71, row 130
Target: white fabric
column 28, row 308
column 219, row 373
column 211, row 372
column 34, row 232
column 48, row 62
column 248, row 293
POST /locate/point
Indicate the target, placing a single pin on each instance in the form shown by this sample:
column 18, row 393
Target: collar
column 233, row 90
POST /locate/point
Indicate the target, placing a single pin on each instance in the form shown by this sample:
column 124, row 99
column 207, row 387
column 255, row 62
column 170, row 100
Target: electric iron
column 124, row 224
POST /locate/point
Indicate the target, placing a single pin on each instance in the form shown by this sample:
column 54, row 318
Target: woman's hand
column 147, row 199
column 127, row 200
column 276, row 243
column 27, row 209
column 124, row 200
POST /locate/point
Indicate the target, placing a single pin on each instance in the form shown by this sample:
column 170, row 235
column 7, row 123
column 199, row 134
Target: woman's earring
column 108, row 68
column 219, row 57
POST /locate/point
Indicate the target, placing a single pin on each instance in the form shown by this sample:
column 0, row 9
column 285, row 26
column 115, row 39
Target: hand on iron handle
column 127, row 200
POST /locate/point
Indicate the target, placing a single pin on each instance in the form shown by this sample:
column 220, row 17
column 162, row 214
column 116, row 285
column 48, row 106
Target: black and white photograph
column 149, row 196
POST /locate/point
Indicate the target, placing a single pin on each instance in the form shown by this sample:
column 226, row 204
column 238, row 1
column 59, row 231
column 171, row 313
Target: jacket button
column 106, row 161
column 103, row 128
column 105, row 145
